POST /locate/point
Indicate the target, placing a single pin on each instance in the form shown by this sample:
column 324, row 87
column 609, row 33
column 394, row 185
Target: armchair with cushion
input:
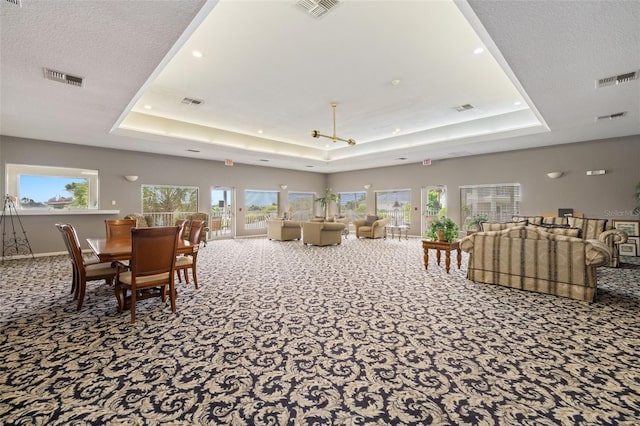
column 283, row 230
column 204, row 217
column 322, row 233
column 142, row 221
column 371, row 227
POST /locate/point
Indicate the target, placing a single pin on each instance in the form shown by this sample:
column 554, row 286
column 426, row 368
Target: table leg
column 447, row 260
column 459, row 258
column 438, row 256
column 426, row 258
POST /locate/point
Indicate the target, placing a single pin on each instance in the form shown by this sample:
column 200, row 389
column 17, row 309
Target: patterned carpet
column 285, row 334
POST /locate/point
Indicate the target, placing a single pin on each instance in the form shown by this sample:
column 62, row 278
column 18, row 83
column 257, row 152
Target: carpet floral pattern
column 285, row 334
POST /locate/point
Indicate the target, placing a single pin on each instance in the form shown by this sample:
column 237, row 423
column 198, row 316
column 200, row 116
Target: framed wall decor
column 628, row 249
column 631, row 227
column 636, row 241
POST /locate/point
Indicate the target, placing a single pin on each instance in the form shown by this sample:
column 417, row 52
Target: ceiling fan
column 334, row 138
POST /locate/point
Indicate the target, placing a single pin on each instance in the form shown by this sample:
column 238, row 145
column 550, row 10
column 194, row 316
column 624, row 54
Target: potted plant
column 474, row 224
column 443, row 229
column 326, row 200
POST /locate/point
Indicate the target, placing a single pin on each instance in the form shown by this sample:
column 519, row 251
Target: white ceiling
column 269, row 67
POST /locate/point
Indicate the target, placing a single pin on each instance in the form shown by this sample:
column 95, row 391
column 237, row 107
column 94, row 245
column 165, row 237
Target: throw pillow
column 370, row 219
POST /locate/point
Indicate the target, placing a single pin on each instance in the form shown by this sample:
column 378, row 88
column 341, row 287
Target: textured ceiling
column 269, row 67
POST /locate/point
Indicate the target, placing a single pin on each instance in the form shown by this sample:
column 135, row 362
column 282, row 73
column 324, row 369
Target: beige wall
column 608, row 196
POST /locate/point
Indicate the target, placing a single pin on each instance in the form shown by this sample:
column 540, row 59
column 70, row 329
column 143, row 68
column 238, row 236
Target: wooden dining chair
column 83, row 270
column 182, row 224
column 186, row 262
column 151, row 268
column 119, row 228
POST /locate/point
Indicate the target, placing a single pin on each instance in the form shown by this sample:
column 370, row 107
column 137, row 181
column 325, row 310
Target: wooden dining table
column 114, row 249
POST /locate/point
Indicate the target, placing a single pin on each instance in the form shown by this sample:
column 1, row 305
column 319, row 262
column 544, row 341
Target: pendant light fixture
column 334, row 138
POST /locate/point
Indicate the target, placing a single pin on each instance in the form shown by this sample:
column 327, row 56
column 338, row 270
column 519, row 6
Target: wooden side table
column 446, row 247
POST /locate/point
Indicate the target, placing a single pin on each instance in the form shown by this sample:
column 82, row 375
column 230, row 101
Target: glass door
column 222, row 218
column 434, row 204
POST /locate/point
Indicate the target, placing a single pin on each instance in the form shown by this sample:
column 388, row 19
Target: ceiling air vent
column 62, row 77
column 15, row 2
column 617, row 79
column 611, row 116
column 464, row 107
column 317, row 8
column 190, row 101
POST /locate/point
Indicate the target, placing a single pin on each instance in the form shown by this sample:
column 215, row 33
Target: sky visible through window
column 42, row 188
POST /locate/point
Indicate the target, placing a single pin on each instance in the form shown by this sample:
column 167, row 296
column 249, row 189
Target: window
column 396, row 205
column 352, row 205
column 259, row 206
column 45, row 187
column 300, row 205
column 497, row 202
column 163, row 204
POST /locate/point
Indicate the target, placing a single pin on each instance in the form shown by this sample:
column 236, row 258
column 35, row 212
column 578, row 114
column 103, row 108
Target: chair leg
column 82, row 285
column 186, row 276
column 133, row 305
column 120, row 296
column 172, row 296
column 195, row 277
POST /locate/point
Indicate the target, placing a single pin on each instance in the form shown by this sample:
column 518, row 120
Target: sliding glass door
column 222, row 218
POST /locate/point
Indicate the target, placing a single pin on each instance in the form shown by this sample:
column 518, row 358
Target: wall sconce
column 131, row 178
column 283, row 186
column 367, row 186
column 554, row 175
column 595, row 172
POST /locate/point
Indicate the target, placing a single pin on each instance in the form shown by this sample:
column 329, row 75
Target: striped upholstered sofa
column 532, row 258
column 585, row 228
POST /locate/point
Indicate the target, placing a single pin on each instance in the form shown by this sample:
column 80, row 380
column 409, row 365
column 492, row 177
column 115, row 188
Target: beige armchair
column 283, row 230
column 370, row 227
column 322, row 233
column 204, row 217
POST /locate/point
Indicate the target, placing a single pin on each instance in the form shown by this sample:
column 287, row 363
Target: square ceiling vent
column 317, row 8
column 62, row 77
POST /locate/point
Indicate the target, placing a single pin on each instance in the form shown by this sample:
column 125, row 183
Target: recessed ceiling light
column 395, row 82
column 197, row 54
column 402, row 158
column 148, row 107
column 478, row 50
column 516, row 103
column 260, row 131
column 396, row 131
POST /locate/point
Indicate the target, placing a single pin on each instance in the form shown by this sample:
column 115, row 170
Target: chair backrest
column 182, row 224
column 153, row 250
column 195, row 231
column 119, row 228
column 73, row 245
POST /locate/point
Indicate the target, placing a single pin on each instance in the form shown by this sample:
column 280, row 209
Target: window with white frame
column 47, row 187
column 300, row 205
column 394, row 204
column 497, row 202
column 352, row 205
column 163, row 204
column 259, row 206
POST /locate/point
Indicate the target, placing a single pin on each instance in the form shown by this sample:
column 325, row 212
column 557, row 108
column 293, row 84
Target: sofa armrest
column 597, row 253
column 613, row 236
column 380, row 223
column 466, row 244
column 332, row 226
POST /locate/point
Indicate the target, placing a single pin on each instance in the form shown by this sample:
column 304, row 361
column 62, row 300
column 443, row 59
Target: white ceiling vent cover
column 62, row 77
column 611, row 116
column 465, row 107
column 15, row 2
column 317, row 8
column 191, row 101
column 614, row 80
